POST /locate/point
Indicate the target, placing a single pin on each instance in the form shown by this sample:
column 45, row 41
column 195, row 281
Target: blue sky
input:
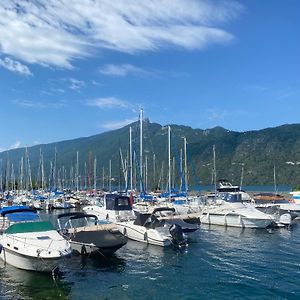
column 71, row 68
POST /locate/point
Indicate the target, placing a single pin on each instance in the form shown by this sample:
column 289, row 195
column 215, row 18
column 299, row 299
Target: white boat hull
column 234, row 220
column 235, row 215
column 35, row 251
column 28, row 262
column 145, row 235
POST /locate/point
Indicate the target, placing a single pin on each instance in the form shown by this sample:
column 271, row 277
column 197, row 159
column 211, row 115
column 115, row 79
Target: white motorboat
column 148, row 228
column 114, row 208
column 228, row 210
column 87, row 236
column 32, row 245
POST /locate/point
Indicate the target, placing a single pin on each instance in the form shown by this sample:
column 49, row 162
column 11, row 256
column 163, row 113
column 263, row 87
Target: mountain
column 257, row 152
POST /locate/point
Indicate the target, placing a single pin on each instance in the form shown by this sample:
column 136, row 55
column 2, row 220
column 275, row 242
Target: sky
column 72, row 69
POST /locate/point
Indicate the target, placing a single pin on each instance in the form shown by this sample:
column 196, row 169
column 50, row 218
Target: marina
column 219, row 263
column 149, row 150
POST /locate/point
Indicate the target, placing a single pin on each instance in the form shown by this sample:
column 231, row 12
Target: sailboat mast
column 169, row 158
column 77, row 171
column 185, row 166
column 95, row 174
column 110, row 175
column 141, row 150
column 214, row 170
column 275, row 186
column 130, row 154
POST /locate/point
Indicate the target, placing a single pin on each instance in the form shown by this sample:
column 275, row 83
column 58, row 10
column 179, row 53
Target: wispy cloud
column 122, row 70
column 15, row 145
column 76, row 85
column 40, row 104
column 96, row 83
column 54, row 33
column 215, row 114
column 111, row 102
column 14, row 66
column 117, row 124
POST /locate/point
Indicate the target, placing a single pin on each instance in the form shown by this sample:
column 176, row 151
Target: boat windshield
column 231, row 197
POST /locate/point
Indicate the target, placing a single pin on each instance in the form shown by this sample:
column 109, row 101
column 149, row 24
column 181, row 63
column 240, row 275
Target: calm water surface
column 219, row 263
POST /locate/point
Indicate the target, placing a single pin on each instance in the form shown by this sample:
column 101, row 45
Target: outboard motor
column 286, row 219
column 177, row 234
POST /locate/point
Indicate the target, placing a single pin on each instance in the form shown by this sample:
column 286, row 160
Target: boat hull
column 29, row 263
column 234, row 220
column 103, row 242
column 144, row 235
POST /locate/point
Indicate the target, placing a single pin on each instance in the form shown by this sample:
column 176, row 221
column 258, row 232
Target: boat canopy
column 142, row 219
column 29, row 227
column 117, row 202
column 15, row 208
column 19, row 213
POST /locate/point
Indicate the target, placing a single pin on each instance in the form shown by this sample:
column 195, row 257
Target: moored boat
column 32, row 245
column 87, row 236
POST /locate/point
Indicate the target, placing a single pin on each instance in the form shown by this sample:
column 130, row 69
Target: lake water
column 219, row 263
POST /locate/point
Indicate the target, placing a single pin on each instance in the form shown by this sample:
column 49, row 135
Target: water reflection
column 20, row 284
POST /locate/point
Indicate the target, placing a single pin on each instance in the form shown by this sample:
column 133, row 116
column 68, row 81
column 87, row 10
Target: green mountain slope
column 256, row 151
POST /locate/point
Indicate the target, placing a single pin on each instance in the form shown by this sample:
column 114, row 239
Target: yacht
column 113, row 208
column 228, row 209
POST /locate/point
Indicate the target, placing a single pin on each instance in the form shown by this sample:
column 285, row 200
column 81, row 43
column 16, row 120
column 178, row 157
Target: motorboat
column 31, row 244
column 114, row 208
column 16, row 213
column 89, row 236
column 149, row 228
column 228, row 209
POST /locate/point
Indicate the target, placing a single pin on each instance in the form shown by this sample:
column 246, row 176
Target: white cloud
column 76, row 84
column 214, row 114
column 94, row 82
column 54, row 33
column 117, row 124
column 40, row 104
column 14, row 66
column 109, row 102
column 122, row 70
column 15, row 145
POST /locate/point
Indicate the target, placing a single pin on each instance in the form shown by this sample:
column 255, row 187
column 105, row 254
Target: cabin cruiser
column 151, row 229
column 283, row 210
column 88, row 236
column 30, row 244
column 228, row 209
column 225, row 186
column 114, row 208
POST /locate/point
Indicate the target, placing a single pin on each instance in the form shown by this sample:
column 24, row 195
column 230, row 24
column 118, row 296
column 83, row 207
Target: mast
column 21, row 187
column 77, row 171
column 214, row 169
column 154, row 171
column 130, row 160
column 185, row 166
column 103, row 179
column 274, row 174
column 242, row 177
column 1, row 180
column 169, row 159
column 146, row 173
column 109, row 175
column 141, row 150
column 95, row 174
